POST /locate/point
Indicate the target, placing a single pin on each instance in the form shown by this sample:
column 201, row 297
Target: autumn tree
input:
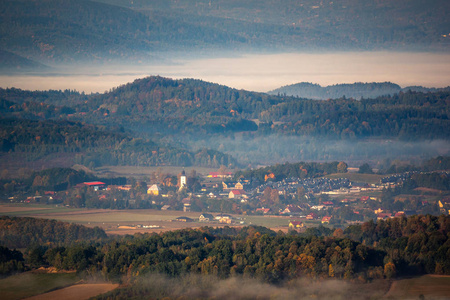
column 342, row 167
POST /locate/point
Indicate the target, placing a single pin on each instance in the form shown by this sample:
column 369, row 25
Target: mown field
column 140, row 172
column 112, row 220
column 369, row 178
column 30, row 284
column 428, row 286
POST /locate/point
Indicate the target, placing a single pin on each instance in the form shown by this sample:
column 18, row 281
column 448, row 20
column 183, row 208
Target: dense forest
column 408, row 115
column 156, row 105
column 357, row 90
column 293, row 170
column 94, row 146
column 192, row 122
column 22, row 232
column 35, row 236
column 373, row 250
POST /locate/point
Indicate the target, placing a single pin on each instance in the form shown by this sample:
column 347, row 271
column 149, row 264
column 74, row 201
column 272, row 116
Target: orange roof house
column 326, row 219
column 295, row 224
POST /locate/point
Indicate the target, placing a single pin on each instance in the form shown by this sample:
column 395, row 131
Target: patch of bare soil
column 427, row 190
column 77, row 292
column 430, row 286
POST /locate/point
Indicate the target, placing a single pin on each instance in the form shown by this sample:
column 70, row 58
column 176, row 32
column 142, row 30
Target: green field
column 29, row 284
column 368, row 178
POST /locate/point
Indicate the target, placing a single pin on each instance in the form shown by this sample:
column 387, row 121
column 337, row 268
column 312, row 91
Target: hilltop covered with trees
column 94, row 146
column 357, row 90
column 191, row 122
column 385, row 249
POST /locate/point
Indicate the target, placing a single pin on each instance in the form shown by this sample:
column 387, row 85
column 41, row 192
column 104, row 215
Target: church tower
column 182, row 181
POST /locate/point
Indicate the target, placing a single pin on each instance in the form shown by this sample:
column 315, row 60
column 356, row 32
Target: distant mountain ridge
column 12, row 63
column 69, row 31
column 357, row 90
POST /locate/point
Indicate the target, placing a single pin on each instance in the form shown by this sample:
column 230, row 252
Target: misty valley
column 219, row 149
column 282, row 193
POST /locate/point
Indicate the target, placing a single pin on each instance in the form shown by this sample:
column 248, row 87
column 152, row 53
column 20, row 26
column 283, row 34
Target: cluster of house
column 218, row 185
column 310, row 185
column 207, row 217
column 299, row 225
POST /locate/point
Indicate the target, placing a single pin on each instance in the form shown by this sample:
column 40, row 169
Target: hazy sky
column 264, row 72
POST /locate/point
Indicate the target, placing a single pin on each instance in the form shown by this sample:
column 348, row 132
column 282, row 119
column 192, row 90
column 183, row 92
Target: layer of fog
column 255, row 72
column 210, row 287
column 279, row 149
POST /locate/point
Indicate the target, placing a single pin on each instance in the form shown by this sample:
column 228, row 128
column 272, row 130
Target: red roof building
column 295, row 224
column 263, row 210
column 97, row 185
column 94, row 183
column 236, row 194
column 365, row 198
column 326, row 219
column 220, row 174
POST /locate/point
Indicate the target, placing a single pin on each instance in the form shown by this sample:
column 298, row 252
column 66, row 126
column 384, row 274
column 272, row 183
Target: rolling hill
column 156, row 113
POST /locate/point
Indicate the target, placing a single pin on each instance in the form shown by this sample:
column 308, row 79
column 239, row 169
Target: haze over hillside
column 355, row 90
column 241, row 46
column 69, row 31
column 164, row 121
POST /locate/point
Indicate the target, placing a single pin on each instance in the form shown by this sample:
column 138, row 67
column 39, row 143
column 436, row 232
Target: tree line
column 161, row 105
column 93, row 146
column 372, row 250
column 409, row 116
column 301, row 170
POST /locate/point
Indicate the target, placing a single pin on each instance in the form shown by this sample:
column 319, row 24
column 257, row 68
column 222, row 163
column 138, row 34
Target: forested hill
column 410, row 116
column 19, row 232
column 81, row 30
column 162, row 105
column 373, row 250
column 194, row 106
column 156, row 106
column 94, row 146
column 356, row 90
column 11, row 63
column 165, row 96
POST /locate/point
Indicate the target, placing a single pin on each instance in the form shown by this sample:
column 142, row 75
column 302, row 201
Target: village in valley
column 220, row 198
